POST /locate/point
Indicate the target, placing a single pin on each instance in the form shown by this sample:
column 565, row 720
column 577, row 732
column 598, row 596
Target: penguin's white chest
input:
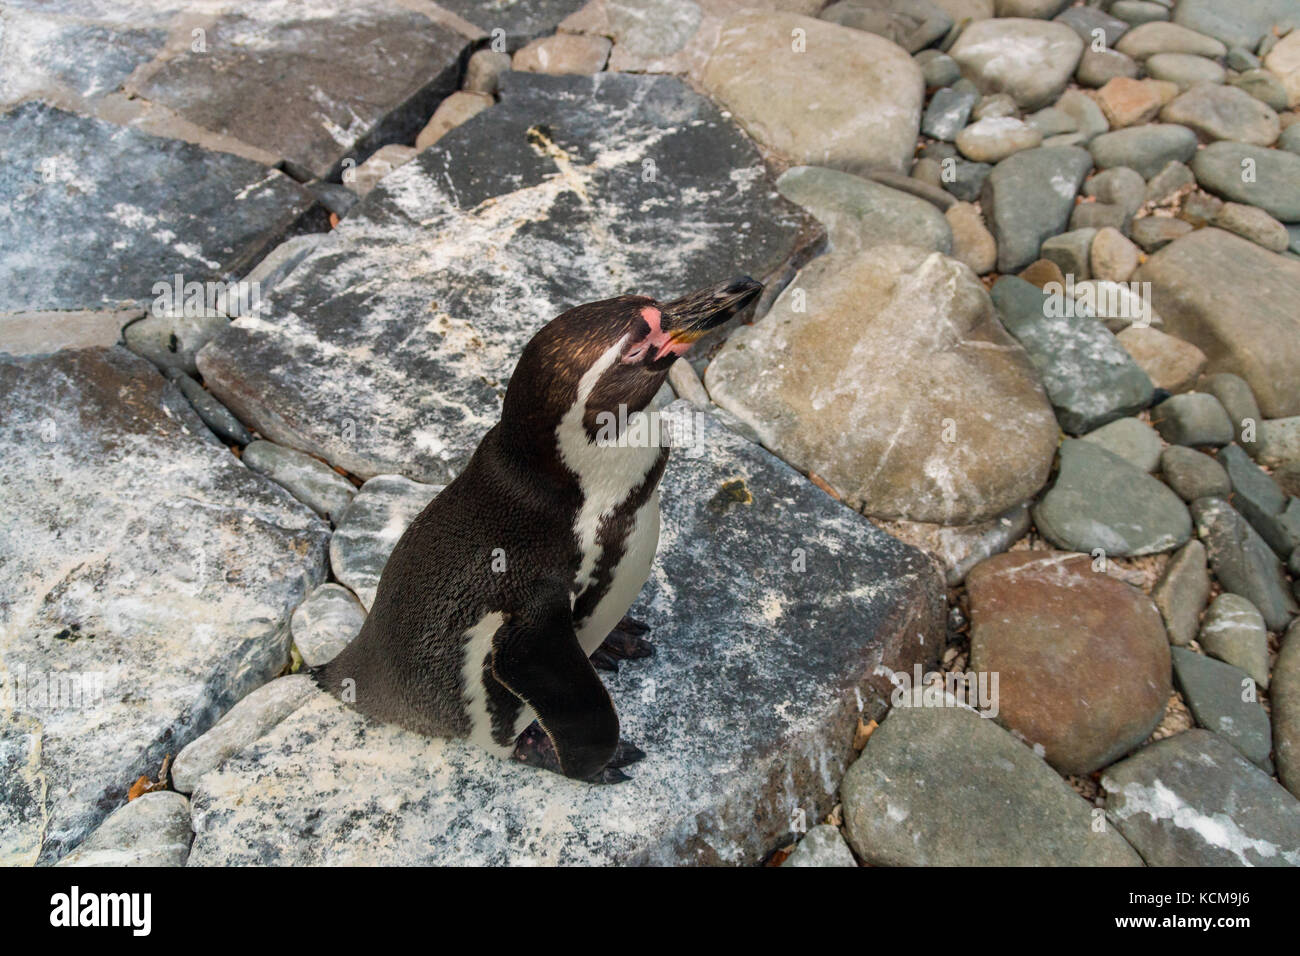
column 629, row 576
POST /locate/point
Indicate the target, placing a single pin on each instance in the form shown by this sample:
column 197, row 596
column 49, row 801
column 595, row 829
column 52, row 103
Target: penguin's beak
column 688, row 318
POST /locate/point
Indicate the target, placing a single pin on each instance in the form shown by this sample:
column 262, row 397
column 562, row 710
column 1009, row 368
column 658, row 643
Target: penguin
column 507, row 590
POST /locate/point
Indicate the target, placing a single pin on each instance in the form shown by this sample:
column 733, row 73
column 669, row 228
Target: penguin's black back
column 407, row 662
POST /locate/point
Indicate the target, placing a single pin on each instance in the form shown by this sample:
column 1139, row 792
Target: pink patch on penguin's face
column 656, row 343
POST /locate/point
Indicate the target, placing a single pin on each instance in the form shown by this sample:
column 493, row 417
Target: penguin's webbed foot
column 535, row 749
column 624, row 643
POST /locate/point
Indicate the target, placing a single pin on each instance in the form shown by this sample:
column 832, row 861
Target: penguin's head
column 614, row 353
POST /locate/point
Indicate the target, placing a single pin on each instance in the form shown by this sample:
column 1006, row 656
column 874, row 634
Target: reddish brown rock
column 1082, row 658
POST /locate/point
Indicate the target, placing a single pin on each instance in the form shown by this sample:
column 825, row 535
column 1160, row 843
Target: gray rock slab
column 1101, row 501
column 369, row 527
column 244, row 723
column 1235, row 302
column 1217, row 695
column 944, row 786
column 97, row 214
column 326, row 623
column 430, row 288
column 1193, row 800
column 746, row 722
column 1223, row 112
column 1243, row 562
column 1089, row 377
column 386, row 69
column 1028, row 198
column 1254, row 175
column 149, row 613
column 821, row 846
column 151, row 830
column 310, row 480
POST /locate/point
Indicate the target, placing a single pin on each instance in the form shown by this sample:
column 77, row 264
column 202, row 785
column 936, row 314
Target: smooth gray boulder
column 1193, row 800
column 326, row 623
column 1031, row 60
column 1222, row 700
column 1028, row 198
column 1234, row 301
column 848, row 99
column 310, row 480
column 368, row 529
column 1101, row 501
column 981, row 436
column 941, row 786
column 242, row 724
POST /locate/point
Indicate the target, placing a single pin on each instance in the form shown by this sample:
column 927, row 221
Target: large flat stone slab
column 146, row 580
column 312, row 81
column 95, row 214
column 746, row 710
column 389, row 348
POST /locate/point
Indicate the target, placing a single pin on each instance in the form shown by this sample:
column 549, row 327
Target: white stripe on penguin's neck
column 607, row 474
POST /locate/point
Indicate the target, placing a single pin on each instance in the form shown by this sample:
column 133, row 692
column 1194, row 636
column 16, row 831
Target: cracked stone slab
column 746, row 710
column 388, row 349
column 146, row 581
column 95, row 214
column 362, row 74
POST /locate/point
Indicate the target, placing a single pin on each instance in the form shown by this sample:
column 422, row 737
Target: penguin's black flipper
column 538, row 658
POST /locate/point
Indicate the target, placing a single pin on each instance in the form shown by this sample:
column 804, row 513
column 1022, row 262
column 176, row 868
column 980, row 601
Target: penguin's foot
column 535, row 749
column 624, row 643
